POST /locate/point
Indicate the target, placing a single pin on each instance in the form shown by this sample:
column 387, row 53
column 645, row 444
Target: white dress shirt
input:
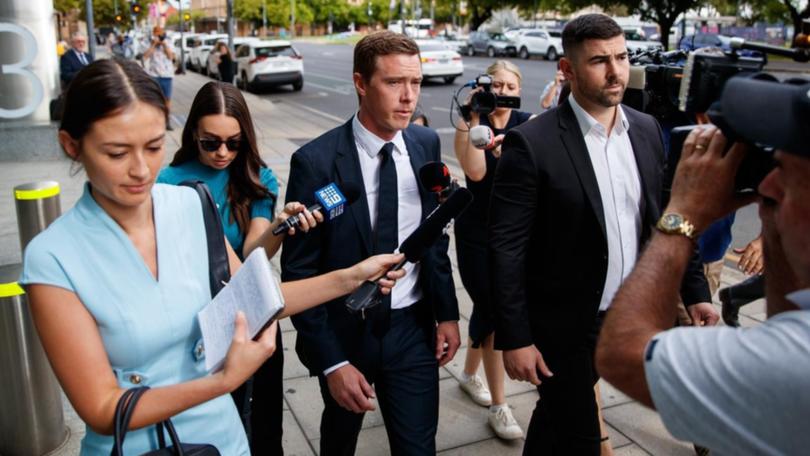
column 614, row 165
column 409, row 211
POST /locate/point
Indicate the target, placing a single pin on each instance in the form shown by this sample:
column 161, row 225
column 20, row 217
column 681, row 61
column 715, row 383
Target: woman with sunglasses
column 219, row 148
column 115, row 284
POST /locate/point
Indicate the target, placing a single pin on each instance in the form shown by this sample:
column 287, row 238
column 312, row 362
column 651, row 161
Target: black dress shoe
column 730, row 308
column 734, row 297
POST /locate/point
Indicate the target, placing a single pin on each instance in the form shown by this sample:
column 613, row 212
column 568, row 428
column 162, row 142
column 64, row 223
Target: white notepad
column 254, row 290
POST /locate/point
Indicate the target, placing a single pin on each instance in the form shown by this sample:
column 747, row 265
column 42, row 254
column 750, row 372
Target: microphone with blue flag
column 330, row 201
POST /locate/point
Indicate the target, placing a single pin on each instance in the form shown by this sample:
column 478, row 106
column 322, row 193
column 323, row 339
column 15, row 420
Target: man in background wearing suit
column 75, row 59
column 575, row 195
column 399, row 344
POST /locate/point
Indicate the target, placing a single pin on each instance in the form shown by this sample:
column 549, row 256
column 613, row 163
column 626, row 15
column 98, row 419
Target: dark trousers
column 403, row 369
column 260, row 402
column 565, row 420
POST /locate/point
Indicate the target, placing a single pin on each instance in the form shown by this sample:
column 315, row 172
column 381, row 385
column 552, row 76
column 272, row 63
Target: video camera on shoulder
column 676, row 88
column 486, row 101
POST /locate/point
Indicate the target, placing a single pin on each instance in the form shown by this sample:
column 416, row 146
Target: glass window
column 275, row 51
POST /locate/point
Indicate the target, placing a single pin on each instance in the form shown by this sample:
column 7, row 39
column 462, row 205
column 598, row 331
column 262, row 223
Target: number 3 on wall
column 20, row 67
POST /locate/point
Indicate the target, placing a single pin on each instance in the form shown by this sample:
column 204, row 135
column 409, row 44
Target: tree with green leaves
column 662, row 12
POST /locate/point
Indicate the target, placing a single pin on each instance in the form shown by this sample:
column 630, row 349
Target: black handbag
column 123, row 414
column 219, row 269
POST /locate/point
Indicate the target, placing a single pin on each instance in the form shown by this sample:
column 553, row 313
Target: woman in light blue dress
column 115, row 284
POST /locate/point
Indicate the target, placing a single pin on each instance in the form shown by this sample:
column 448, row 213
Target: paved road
column 328, row 89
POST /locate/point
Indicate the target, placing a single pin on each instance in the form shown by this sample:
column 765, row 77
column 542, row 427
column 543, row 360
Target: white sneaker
column 474, row 387
column 504, row 424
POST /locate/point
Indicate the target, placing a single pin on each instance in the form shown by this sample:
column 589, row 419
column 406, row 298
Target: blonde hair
column 505, row 65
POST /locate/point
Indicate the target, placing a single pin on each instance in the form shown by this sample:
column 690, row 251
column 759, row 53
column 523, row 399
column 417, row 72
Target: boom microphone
column 330, row 201
column 415, row 246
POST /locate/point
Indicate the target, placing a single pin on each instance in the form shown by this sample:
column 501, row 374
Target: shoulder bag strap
column 219, row 270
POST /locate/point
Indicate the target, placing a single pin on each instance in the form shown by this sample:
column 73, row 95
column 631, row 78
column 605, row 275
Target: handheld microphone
column 330, row 201
column 435, row 177
column 415, row 246
column 482, row 137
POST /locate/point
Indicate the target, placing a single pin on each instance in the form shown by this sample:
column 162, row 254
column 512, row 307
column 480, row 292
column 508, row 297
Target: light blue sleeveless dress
column 149, row 327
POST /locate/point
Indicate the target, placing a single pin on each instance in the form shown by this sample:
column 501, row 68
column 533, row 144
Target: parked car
column 702, row 40
column 190, row 42
column 199, row 54
column 636, row 41
column 531, row 42
column 213, row 57
column 493, row 44
column 452, row 42
column 440, row 62
column 268, row 63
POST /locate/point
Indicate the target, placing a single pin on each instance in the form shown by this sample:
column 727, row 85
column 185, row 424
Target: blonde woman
column 471, row 241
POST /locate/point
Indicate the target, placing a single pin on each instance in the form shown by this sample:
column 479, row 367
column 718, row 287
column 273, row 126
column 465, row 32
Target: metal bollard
column 37, row 206
column 31, row 419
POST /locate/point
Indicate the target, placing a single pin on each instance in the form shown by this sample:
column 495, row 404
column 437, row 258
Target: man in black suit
column 575, row 195
column 73, row 60
column 398, row 345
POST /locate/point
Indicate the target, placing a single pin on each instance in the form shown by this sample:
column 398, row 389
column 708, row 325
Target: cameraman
column 158, row 62
column 471, row 246
column 735, row 391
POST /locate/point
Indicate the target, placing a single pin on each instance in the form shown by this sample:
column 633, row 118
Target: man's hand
column 703, row 314
column 523, row 363
column 703, row 187
column 751, row 259
column 447, row 334
column 350, row 389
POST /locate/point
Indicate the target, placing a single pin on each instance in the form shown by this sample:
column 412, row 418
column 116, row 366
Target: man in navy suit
column 75, row 59
column 398, row 345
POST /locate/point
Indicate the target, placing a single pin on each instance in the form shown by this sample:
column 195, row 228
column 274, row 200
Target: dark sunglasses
column 213, row 145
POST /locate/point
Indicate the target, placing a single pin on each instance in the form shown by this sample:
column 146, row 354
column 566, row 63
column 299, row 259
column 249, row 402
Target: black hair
column 588, row 27
column 244, row 183
column 105, row 88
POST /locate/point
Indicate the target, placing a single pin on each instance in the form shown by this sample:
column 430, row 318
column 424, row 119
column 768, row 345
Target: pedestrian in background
column 225, row 63
column 158, row 62
column 73, row 60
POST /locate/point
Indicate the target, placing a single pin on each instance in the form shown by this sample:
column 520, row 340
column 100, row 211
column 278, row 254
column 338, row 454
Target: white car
column 438, row 61
column 190, row 42
column 199, row 55
column 531, row 42
column 636, row 41
column 212, row 66
column 268, row 63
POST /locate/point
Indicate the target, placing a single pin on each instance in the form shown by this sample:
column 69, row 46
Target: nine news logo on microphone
column 332, row 201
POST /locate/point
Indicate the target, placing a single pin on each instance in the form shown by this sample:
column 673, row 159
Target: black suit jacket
column 69, row 65
column 547, row 230
column 329, row 334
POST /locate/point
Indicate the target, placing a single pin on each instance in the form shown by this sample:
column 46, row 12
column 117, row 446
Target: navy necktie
column 386, row 238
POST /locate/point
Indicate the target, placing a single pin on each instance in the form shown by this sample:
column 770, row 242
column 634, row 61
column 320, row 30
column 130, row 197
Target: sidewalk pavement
column 463, row 429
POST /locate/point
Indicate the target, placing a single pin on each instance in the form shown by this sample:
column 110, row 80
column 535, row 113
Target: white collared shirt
column 614, row 165
column 409, row 211
column 80, row 55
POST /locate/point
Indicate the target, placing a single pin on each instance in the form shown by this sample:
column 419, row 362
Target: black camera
column 486, row 101
column 676, row 87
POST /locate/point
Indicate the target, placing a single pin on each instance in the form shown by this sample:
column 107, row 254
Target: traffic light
column 135, row 7
column 118, row 18
column 186, row 17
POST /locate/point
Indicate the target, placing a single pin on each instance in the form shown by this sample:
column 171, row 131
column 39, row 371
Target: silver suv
column 493, row 44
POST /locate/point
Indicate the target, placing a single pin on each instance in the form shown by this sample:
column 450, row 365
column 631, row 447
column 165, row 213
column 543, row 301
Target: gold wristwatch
column 673, row 223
